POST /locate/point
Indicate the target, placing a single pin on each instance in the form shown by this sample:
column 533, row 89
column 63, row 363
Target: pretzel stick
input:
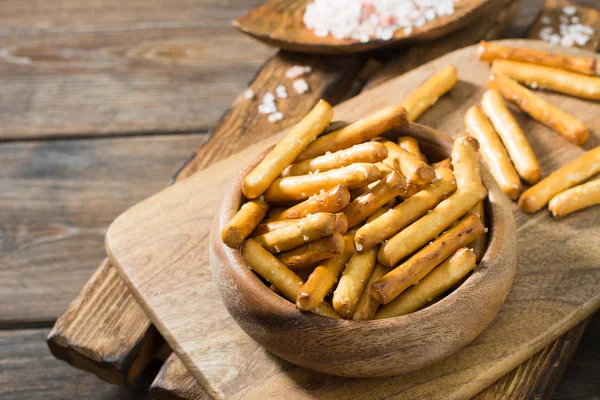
column 539, row 109
column 323, row 278
column 313, row 252
column 414, row 236
column 285, row 152
column 512, row 136
column 555, row 79
column 393, row 221
column 575, row 172
column 357, row 132
column 394, row 184
column 294, row 188
column 285, row 281
column 353, row 280
column 415, row 170
column 442, row 278
column 493, row 152
column 370, row 152
column 367, row 305
column 295, row 235
column 332, row 201
column 575, row 199
column 445, row 163
column 270, row 226
column 430, row 91
column 411, row 145
column 389, row 286
column 489, row 52
column 243, row 222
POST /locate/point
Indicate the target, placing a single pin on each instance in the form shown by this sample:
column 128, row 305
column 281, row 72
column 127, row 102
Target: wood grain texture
column 113, row 68
column 550, row 309
column 174, row 382
column 57, row 199
column 280, row 23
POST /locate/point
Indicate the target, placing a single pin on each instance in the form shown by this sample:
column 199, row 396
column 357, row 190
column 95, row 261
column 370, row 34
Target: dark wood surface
column 90, row 74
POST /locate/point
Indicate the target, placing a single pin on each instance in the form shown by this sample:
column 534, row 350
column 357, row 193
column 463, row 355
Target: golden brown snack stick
column 313, row 252
column 411, row 145
column 489, row 52
column 269, row 226
column 426, row 228
column 370, row 152
column 294, row 188
column 332, row 201
column 430, row 91
column 389, row 286
column 445, row 163
column 415, row 170
column 571, row 174
column 575, row 199
column 394, row 184
column 413, row 208
column 539, row 109
column 517, row 145
column 442, row 278
column 357, row 132
column 555, row 79
column 384, row 168
column 353, row 281
column 324, row 277
column 367, row 305
column 243, row 222
column 285, row 281
column 493, row 152
column 306, row 230
column 285, row 152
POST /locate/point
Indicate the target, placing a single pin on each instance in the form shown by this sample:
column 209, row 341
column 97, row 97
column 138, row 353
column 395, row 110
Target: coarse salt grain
column 570, row 31
column 300, row 86
column 297, row 70
column 281, row 92
column 276, row 116
column 249, row 94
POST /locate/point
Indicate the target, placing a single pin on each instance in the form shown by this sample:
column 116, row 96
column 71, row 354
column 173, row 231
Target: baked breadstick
column 442, row 278
column 430, row 91
column 313, row 252
column 426, row 228
column 411, row 145
column 370, row 152
column 489, row 52
column 300, row 187
column 269, row 226
column 243, row 222
column 466, row 171
column 357, row 132
column 445, row 163
column 493, row 152
column 539, row 109
column 555, row 79
column 285, row 152
column 383, row 168
column 332, row 201
column 307, row 229
column 367, row 305
column 575, row 172
column 512, row 136
column 415, row 170
column 389, row 286
column 413, row 208
column 323, row 278
column 393, row 185
column 285, row 281
column 353, row 280
column 575, row 199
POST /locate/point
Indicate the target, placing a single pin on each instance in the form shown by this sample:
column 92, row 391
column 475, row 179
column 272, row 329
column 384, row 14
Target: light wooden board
column 164, row 261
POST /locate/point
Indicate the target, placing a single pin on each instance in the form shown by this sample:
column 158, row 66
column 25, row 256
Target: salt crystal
column 574, row 20
column 294, row 72
column 554, row 39
column 567, row 41
column 569, row 10
column 546, row 20
column 300, row 86
column 307, row 69
column 267, row 108
column 281, row 92
column 268, row 98
column 249, row 94
column 276, row 116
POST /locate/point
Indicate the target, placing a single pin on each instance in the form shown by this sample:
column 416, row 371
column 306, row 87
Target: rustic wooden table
column 100, row 102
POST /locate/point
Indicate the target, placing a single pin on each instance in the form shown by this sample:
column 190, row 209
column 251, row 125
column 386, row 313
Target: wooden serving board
column 160, row 249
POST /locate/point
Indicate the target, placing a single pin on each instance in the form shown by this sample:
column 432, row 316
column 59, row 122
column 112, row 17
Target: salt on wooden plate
column 570, row 31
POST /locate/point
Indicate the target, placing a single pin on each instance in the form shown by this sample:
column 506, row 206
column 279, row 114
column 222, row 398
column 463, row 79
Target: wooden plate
column 162, row 254
column 280, row 23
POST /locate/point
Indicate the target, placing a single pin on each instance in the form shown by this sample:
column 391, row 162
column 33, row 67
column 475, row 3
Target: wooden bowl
column 371, row 348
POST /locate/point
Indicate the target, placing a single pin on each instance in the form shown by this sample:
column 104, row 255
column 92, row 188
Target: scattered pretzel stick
column 286, row 151
column 430, row 91
column 244, row 222
column 575, row 172
column 575, row 199
column 332, row 201
column 489, row 52
column 539, row 109
column 313, row 252
column 389, row 286
column 367, row 305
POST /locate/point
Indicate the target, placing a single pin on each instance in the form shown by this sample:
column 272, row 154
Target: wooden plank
column 57, row 199
column 115, row 68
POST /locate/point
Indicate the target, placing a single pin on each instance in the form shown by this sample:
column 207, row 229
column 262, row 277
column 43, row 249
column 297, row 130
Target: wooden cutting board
column 160, row 249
